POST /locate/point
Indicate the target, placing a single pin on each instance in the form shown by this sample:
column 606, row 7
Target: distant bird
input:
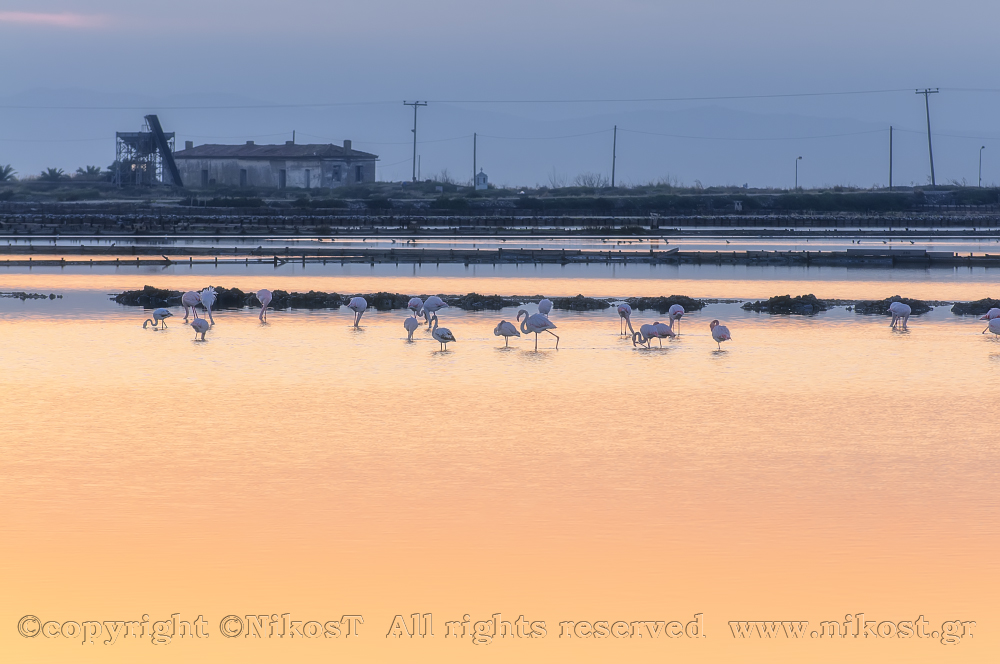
column 676, row 312
column 536, row 324
column 358, row 306
column 442, row 334
column 994, row 326
column 264, row 296
column 645, row 334
column 208, row 299
column 900, row 312
column 158, row 319
column 410, row 323
column 991, row 315
column 506, row 330
column 664, row 331
column 544, row 306
column 719, row 332
column 190, row 300
column 432, row 305
column 416, row 305
column 201, row 326
column 624, row 310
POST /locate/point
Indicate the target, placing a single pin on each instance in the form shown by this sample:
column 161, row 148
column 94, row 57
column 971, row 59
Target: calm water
column 815, row 467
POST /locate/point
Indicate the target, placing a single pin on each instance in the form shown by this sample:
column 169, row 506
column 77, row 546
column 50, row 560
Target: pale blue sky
column 116, row 53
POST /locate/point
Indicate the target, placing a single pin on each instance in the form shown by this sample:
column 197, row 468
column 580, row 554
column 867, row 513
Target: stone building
column 274, row 166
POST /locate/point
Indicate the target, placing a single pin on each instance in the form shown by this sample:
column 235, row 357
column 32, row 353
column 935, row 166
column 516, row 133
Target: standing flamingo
column 507, row 330
column 442, row 334
column 625, row 311
column 991, row 315
column 900, row 312
column 719, row 332
column 264, row 296
column 544, row 306
column 676, row 312
column 994, row 326
column 208, row 299
column 201, row 326
column 432, row 305
column 410, row 323
column 190, row 300
column 415, row 305
column 664, row 331
column 158, row 319
column 644, row 335
column 358, row 306
column 537, row 323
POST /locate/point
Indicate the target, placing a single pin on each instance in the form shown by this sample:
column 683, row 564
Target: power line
column 774, row 138
column 635, row 100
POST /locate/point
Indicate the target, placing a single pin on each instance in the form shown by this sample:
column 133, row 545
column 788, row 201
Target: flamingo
column 991, row 315
column 415, row 305
column 507, row 330
column 358, row 306
column 664, row 331
column 264, row 296
column 899, row 312
column 719, row 332
column 411, row 324
column 675, row 312
column 544, row 306
column 158, row 319
column 994, row 326
column 208, row 299
column 432, row 305
column 442, row 334
column 190, row 300
column 644, row 335
column 625, row 311
column 537, row 323
column 201, row 326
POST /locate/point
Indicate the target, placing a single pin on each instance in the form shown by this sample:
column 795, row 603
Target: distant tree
column 7, row 173
column 52, row 175
column 89, row 173
column 556, row 179
column 445, row 177
column 595, row 180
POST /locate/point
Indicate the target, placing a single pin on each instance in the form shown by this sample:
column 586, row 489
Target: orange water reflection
column 816, row 467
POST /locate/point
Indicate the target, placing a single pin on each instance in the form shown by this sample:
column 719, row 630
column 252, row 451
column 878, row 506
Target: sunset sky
column 113, row 53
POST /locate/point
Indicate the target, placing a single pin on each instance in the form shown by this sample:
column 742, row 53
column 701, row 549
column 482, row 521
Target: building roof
column 286, row 151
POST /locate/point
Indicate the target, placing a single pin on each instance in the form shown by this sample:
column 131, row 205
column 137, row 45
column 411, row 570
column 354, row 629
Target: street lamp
column 981, row 166
column 797, row 173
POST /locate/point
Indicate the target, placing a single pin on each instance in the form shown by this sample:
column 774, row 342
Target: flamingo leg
column 212, row 320
column 536, row 340
column 553, row 334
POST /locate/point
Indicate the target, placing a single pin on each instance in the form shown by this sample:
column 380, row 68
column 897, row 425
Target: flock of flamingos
column 532, row 324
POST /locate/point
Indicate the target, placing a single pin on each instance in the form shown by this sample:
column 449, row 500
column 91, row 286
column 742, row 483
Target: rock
column 803, row 305
column 477, row 302
column 149, row 298
column 579, row 303
column 977, row 308
column 662, row 304
column 881, row 307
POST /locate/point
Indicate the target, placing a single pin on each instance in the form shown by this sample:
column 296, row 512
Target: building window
column 204, row 177
column 359, row 173
column 308, row 178
column 243, row 177
column 282, row 178
column 336, row 173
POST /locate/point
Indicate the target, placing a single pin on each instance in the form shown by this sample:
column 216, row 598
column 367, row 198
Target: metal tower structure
column 140, row 156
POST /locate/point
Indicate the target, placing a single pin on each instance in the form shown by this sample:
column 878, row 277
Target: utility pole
column 890, row 157
column 614, row 156
column 415, row 105
column 927, row 105
column 981, row 166
column 797, row 173
column 474, row 161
